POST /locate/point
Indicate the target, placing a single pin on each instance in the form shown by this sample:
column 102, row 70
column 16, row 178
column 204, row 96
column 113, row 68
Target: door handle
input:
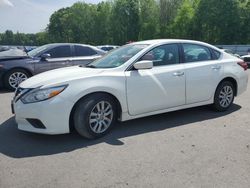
column 216, row 67
column 178, row 73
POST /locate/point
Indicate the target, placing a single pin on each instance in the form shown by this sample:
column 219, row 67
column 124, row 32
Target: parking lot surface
column 190, row 148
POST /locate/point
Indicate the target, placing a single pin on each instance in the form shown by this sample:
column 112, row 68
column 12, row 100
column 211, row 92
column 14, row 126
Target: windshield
column 36, row 51
column 117, row 57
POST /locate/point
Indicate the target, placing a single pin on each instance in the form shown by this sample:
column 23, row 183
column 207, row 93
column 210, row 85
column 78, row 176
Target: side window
column 163, row 55
column 84, row 51
column 60, row 51
column 193, row 53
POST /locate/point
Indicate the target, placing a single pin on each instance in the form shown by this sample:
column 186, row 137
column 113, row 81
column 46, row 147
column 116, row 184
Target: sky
column 30, row 16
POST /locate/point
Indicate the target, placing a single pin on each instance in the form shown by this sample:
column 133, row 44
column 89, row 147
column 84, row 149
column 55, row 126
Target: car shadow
column 19, row 144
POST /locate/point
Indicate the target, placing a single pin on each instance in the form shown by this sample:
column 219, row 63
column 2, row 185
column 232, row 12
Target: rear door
column 60, row 57
column 84, row 55
column 203, row 72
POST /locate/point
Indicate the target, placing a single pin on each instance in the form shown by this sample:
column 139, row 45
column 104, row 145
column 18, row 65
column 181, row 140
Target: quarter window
column 163, row 55
column 84, row 51
column 193, row 53
column 216, row 54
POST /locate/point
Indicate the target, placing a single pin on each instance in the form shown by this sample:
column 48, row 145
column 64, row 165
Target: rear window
column 84, row 51
column 194, row 53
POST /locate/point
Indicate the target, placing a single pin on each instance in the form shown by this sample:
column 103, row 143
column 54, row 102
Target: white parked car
column 136, row 80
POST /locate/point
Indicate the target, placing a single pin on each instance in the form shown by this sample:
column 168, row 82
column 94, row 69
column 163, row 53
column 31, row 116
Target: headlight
column 1, row 65
column 42, row 94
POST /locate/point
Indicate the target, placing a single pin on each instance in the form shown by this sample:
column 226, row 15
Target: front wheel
column 14, row 77
column 95, row 115
column 224, row 96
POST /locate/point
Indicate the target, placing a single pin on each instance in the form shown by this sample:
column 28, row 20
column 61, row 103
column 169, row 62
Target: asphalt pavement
column 189, row 148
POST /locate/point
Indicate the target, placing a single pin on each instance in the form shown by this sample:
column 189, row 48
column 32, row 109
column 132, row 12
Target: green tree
column 125, row 21
column 168, row 10
column 102, row 30
column 217, row 22
column 244, row 9
column 183, row 26
column 149, row 25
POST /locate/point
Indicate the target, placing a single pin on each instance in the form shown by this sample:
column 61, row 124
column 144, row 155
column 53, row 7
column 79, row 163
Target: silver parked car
column 16, row 68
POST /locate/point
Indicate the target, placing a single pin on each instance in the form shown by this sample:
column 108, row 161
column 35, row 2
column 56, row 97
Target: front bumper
column 46, row 117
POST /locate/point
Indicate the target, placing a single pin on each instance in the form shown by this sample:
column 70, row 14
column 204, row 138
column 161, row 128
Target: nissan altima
column 136, row 80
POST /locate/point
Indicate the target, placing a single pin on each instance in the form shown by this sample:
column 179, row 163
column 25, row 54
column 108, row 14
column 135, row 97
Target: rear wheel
column 95, row 115
column 224, row 96
column 14, row 77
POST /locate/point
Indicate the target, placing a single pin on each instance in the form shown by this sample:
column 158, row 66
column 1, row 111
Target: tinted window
column 163, row 55
column 194, row 53
column 107, row 48
column 84, row 51
column 216, row 54
column 60, row 51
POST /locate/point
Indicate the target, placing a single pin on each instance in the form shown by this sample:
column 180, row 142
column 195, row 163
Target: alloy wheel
column 226, row 96
column 101, row 117
column 16, row 78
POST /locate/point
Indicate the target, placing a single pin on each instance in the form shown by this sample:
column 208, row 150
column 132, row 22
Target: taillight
column 243, row 65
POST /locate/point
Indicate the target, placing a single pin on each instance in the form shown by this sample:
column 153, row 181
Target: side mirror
column 45, row 56
column 145, row 64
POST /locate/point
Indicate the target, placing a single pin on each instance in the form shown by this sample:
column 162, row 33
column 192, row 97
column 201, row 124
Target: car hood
column 60, row 76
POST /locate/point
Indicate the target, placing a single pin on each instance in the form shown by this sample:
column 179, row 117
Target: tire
column 224, row 96
column 9, row 79
column 90, row 120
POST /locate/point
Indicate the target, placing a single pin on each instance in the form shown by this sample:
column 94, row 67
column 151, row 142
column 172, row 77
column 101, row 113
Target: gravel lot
column 190, row 148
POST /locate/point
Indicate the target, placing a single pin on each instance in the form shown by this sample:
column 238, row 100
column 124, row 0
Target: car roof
column 159, row 41
column 61, row 44
column 156, row 41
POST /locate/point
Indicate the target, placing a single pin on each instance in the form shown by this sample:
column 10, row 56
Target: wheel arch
column 71, row 122
column 233, row 81
column 19, row 68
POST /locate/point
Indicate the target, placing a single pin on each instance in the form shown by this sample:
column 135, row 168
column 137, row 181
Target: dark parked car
column 15, row 69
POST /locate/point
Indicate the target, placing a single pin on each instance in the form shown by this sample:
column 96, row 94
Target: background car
column 231, row 52
column 246, row 58
column 107, row 47
column 136, row 80
column 15, row 68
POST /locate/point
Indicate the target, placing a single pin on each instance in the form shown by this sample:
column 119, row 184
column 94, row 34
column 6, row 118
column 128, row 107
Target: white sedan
column 136, row 80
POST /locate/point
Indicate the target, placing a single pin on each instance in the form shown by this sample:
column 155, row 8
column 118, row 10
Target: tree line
column 120, row 21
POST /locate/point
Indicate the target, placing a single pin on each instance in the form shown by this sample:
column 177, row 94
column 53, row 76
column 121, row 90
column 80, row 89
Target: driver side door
column 158, row 88
column 60, row 57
